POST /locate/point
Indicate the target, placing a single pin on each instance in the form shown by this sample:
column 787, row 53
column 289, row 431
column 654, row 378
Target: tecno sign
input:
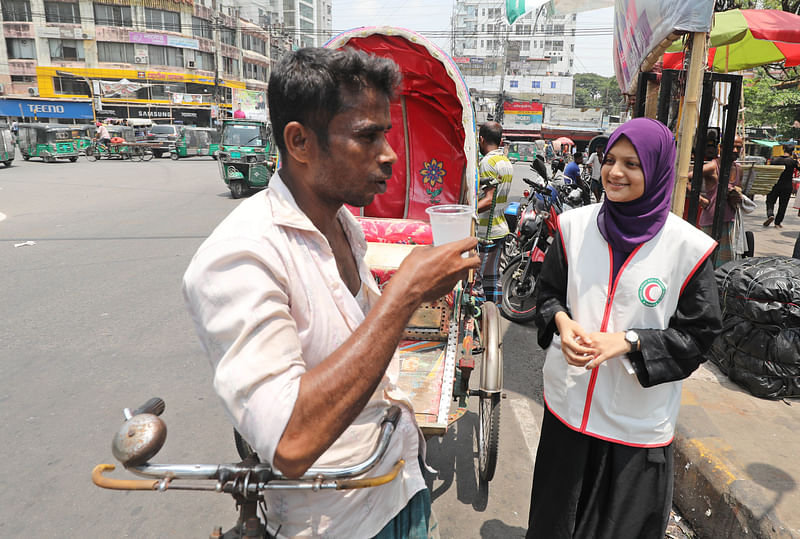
column 41, row 109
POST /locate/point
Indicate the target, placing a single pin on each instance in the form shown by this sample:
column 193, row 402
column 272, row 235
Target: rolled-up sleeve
column 236, row 293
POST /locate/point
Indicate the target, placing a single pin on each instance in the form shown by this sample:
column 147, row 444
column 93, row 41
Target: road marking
column 528, row 424
column 2, row 216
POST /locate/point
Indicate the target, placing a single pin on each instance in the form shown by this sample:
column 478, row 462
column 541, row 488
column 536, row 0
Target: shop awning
column 768, row 143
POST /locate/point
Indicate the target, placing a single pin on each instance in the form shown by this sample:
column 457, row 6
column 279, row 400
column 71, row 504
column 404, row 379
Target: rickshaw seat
column 401, row 231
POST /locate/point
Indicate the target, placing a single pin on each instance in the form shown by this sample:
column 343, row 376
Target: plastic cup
column 450, row 222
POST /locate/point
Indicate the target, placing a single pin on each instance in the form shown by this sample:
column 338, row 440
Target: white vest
column 608, row 402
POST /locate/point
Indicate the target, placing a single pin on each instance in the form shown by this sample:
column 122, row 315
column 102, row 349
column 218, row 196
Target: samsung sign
column 42, row 108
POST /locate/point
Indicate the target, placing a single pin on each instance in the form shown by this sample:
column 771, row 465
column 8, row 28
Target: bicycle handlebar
column 258, row 476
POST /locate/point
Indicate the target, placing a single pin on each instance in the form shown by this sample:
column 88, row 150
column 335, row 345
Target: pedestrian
column 782, row 190
column 572, row 172
column 627, row 306
column 595, row 164
column 708, row 200
column 496, row 173
column 302, row 342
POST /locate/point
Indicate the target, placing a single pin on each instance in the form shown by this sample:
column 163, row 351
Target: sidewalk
column 736, row 456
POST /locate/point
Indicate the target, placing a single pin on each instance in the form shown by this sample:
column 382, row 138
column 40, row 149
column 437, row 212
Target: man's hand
column 429, row 273
column 576, row 344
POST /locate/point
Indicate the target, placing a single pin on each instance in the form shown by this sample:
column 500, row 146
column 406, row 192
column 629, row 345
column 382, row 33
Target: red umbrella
column 563, row 140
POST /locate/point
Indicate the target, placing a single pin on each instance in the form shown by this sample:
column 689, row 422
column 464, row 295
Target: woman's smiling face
column 622, row 174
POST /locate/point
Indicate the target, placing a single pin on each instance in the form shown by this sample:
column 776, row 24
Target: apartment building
column 172, row 60
column 532, row 59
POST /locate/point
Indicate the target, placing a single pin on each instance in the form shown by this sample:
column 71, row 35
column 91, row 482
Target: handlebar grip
column 393, row 415
column 154, row 406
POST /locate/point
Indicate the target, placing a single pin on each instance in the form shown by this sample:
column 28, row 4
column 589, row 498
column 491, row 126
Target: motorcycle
column 536, row 225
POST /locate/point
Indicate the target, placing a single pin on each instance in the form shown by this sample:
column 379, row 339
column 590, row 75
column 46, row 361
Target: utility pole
column 215, row 21
column 499, row 112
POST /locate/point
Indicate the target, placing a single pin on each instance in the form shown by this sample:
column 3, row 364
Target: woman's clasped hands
column 583, row 349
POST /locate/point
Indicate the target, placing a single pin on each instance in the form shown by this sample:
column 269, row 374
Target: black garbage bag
column 759, row 347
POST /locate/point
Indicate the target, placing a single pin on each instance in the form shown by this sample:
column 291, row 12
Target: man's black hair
column 308, row 85
column 492, row 133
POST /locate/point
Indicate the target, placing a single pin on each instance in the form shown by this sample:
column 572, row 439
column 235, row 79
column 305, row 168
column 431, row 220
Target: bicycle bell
column 139, row 439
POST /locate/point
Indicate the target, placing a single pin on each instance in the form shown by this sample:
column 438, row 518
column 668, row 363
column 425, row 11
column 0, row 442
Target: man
column 102, row 134
column 302, row 342
column 782, row 190
column 239, row 113
column 708, row 198
column 496, row 173
column 572, row 173
column 595, row 165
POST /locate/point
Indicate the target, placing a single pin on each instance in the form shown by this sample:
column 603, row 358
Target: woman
column 627, row 306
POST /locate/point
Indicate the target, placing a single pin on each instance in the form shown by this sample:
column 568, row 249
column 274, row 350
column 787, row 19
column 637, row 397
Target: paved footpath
column 736, row 455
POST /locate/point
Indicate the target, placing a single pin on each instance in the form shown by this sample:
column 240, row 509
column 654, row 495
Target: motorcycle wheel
column 510, row 250
column 519, row 304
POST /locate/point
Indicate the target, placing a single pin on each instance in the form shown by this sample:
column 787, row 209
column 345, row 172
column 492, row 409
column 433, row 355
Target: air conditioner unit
column 140, row 59
column 33, row 91
column 190, row 64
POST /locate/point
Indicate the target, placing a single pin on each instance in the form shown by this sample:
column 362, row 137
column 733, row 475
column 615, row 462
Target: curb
column 717, row 498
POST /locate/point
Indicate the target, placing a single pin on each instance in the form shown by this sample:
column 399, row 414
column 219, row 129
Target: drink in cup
column 450, row 222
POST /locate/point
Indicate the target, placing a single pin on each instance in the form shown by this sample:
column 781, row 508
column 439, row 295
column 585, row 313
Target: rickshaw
column 48, row 141
column 195, row 141
column 82, row 136
column 123, row 145
column 435, row 138
column 247, row 155
column 7, row 148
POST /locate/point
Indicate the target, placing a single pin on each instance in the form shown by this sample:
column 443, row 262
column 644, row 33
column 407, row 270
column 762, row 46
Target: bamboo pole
column 697, row 65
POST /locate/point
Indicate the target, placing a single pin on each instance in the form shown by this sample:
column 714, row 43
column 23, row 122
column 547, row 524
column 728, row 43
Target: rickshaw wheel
column 237, row 189
column 174, row 156
column 91, row 154
column 26, row 157
column 73, row 159
column 146, row 155
column 490, row 384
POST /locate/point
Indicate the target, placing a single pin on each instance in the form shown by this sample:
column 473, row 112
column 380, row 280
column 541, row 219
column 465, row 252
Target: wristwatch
column 633, row 339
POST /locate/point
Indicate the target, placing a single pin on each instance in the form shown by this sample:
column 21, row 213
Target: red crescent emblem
column 648, row 291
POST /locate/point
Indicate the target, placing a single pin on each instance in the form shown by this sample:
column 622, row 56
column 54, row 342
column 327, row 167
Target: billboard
column 641, row 25
column 253, row 103
column 578, row 118
column 523, row 115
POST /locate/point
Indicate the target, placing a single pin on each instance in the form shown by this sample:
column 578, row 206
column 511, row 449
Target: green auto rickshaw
column 195, row 141
column 48, row 141
column 247, row 155
column 521, row 151
column 82, row 136
column 7, row 148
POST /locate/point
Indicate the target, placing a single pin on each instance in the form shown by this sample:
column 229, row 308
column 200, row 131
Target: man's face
column 358, row 161
column 738, row 143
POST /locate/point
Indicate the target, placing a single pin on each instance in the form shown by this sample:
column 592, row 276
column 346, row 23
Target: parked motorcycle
column 536, row 225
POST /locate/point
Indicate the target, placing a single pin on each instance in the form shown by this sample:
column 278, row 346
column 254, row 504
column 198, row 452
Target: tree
column 768, row 105
column 596, row 91
column 792, row 6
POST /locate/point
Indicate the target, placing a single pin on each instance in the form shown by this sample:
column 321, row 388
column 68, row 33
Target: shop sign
column 147, row 39
column 28, row 108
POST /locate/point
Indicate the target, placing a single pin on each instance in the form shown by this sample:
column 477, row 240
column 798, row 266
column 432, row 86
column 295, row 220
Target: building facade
column 531, row 60
column 170, row 60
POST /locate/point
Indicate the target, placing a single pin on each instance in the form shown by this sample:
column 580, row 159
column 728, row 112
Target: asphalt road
column 92, row 321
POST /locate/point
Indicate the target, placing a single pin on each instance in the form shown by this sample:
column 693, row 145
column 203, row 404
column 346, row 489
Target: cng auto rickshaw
column 82, row 136
column 522, row 151
column 247, row 155
column 194, row 141
column 7, row 148
column 48, row 141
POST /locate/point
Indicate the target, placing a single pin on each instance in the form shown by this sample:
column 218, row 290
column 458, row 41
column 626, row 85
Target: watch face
column 631, row 336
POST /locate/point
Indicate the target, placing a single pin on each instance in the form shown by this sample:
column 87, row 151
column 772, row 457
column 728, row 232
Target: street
column 93, row 321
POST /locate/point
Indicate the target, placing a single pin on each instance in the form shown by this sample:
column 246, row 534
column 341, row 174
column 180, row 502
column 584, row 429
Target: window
column 17, row 10
column 230, row 66
column 227, row 35
column 553, row 85
column 71, row 86
column 115, row 52
column 159, row 19
column 513, row 83
column 62, row 12
column 108, row 15
column 255, row 71
column 165, row 56
column 306, row 11
column 204, row 61
column 21, row 49
column 23, row 78
column 66, row 49
column 536, row 84
column 201, row 28
column 526, row 45
column 254, row 44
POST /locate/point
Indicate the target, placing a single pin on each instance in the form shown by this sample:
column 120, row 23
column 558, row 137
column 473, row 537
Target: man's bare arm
column 333, row 393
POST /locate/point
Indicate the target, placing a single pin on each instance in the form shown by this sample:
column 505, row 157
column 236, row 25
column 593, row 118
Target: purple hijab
column 625, row 225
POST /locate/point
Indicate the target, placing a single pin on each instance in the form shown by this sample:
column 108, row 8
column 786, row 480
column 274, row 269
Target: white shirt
column 594, row 161
column 268, row 304
column 102, row 132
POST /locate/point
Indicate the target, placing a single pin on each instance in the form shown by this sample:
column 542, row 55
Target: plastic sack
column 759, row 347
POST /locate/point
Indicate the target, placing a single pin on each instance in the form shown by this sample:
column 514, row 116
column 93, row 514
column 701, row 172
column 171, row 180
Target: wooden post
column 697, row 65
